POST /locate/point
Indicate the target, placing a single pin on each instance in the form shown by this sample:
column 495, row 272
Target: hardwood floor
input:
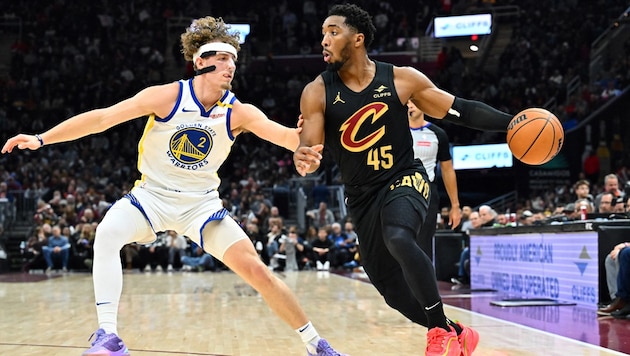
column 218, row 314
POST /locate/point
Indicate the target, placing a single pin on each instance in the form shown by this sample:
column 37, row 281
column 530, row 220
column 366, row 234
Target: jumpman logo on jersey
column 338, row 99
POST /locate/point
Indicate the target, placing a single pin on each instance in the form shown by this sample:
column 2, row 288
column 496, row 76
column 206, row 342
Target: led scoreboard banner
column 560, row 266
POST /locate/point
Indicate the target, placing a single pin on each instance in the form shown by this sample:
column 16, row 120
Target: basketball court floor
column 218, row 314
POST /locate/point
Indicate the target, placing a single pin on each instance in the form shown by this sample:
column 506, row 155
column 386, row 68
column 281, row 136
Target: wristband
column 39, row 138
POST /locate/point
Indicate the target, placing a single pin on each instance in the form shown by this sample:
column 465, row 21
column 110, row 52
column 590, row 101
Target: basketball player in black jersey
column 358, row 109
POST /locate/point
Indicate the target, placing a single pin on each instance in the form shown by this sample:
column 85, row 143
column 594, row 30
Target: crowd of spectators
column 73, row 57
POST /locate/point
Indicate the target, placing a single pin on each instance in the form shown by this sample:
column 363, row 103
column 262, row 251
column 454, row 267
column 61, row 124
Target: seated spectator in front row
column 274, row 238
column 57, row 249
column 606, row 203
column 612, row 264
column 32, row 251
column 155, row 254
column 620, row 307
column 463, row 274
column 487, row 215
column 199, row 260
column 292, row 246
column 321, row 248
column 177, row 245
column 344, row 247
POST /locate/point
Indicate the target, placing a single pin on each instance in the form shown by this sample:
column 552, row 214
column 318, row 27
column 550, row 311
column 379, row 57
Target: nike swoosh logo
column 102, row 303
column 454, row 112
column 300, row 330
column 186, row 110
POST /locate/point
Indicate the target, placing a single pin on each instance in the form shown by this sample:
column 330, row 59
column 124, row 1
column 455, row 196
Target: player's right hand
column 22, row 142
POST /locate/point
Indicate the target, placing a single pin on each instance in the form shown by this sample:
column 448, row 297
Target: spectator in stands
column 618, row 281
column 487, row 215
column 311, row 234
column 606, row 200
column 322, row 248
column 611, row 184
column 198, row 261
column 322, row 216
column 348, row 229
column 45, row 214
column 274, row 238
column 344, row 247
column 155, row 254
column 463, row 272
column 82, row 242
column 57, row 249
column 176, row 247
column 32, row 251
column 130, row 256
column 579, row 204
column 582, row 190
column 611, row 264
column 526, row 218
column 292, row 246
column 466, row 224
column 502, row 220
column 274, row 214
column 253, row 231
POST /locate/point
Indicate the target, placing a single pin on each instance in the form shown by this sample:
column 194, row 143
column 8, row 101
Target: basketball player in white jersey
column 191, row 127
column 431, row 146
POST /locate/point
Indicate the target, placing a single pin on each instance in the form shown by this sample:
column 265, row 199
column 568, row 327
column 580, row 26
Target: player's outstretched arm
column 248, row 118
column 150, row 100
column 440, row 104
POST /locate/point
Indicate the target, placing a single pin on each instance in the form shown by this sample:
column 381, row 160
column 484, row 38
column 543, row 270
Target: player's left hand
column 306, row 157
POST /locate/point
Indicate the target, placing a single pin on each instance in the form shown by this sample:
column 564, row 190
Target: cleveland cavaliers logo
column 350, row 128
column 190, row 145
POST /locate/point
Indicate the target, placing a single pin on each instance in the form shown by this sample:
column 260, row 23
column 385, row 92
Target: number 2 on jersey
column 380, row 157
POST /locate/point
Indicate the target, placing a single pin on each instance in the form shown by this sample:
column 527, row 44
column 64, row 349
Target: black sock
column 457, row 328
column 435, row 316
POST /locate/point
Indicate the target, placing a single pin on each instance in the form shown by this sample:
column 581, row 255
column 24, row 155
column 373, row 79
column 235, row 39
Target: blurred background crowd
column 61, row 58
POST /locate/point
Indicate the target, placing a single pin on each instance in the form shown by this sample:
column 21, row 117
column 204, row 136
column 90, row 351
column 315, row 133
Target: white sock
column 107, row 277
column 309, row 336
column 107, row 273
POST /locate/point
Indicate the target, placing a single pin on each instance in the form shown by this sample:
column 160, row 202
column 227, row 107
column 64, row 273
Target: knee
column 110, row 237
column 259, row 276
column 398, row 239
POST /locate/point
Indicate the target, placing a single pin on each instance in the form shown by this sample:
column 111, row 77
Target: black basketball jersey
column 367, row 133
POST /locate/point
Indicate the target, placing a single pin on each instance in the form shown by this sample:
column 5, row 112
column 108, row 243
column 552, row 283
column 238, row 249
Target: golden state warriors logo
column 350, row 128
column 190, row 145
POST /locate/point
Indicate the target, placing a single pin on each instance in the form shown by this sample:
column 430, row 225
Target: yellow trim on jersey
column 225, row 104
column 149, row 125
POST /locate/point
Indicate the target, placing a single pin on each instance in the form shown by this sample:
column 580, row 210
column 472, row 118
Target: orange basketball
column 535, row 136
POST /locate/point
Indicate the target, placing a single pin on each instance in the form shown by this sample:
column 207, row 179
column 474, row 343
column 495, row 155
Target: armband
column 41, row 141
column 477, row 115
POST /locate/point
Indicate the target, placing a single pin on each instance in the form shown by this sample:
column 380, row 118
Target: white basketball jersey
column 184, row 150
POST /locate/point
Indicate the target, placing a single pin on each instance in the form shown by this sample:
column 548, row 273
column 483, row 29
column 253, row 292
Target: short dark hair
column 581, row 182
column 357, row 18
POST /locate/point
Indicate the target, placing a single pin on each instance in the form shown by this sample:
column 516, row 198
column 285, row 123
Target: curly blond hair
column 204, row 30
